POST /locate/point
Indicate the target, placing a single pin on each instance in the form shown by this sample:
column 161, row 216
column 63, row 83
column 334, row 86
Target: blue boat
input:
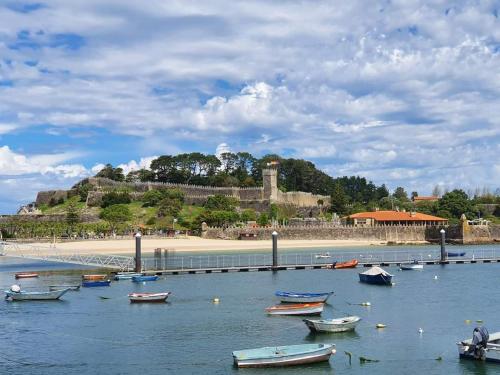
column 452, row 254
column 377, row 276
column 283, row 355
column 94, row 283
column 140, row 279
column 295, row 297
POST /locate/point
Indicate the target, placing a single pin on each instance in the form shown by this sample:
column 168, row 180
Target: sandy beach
column 185, row 244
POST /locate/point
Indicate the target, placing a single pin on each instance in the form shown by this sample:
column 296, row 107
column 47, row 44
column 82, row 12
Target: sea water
column 425, row 313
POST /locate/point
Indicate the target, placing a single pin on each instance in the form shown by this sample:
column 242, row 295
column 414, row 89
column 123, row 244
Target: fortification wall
column 301, row 199
column 44, row 197
column 84, row 218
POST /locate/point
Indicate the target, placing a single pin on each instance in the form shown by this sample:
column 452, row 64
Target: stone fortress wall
column 258, row 198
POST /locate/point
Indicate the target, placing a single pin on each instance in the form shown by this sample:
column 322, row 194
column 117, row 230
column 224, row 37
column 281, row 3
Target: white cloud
column 132, row 165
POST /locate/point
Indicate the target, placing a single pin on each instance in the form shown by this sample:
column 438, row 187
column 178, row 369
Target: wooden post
column 275, row 250
column 138, row 265
column 443, row 250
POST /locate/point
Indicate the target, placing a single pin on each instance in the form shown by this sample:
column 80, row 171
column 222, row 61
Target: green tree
column 248, row 214
column 338, row 200
column 169, row 207
column 221, row 203
column 108, row 171
column 263, row 219
column 72, row 214
column 115, row 197
column 456, row 202
column 140, row 175
column 400, row 194
column 151, row 198
column 115, row 215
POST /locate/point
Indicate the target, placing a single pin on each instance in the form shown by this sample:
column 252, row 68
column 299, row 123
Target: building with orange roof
column 375, row 218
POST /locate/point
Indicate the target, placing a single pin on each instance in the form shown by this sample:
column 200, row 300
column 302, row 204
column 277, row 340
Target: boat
column 347, row 323
column 415, row 265
column 25, row 275
column 322, row 256
column 95, row 283
column 295, row 297
column 16, row 294
column 140, row 279
column 483, row 346
column 94, row 277
column 126, row 276
column 296, row 309
column 349, row 264
column 376, row 275
column 452, row 254
column 69, row 287
column 148, row 297
column 288, row 355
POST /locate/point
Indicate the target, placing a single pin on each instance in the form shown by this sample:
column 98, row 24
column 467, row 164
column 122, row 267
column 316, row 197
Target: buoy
column 420, row 330
column 366, row 304
column 435, row 277
column 215, row 300
column 380, row 325
column 467, row 321
column 479, row 321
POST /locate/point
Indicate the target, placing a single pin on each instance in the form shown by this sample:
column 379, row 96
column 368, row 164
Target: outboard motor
column 480, row 337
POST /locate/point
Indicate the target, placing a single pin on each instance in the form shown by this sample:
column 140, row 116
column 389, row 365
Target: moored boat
column 296, row 309
column 483, row 346
column 347, row 323
column 126, row 276
column 453, row 254
column 69, row 287
column 413, row 266
column 95, row 283
column 141, row 278
column 377, row 276
column 16, row 294
column 25, row 275
column 322, row 256
column 349, row 264
column 94, row 277
column 288, row 355
column 148, row 297
column 295, row 297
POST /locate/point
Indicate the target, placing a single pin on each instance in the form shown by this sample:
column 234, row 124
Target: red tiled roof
column 396, row 216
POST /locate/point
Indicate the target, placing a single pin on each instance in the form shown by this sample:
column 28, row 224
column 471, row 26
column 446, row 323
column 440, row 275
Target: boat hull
column 305, row 309
column 93, row 277
column 290, row 297
column 451, row 255
column 148, row 297
column 332, row 325
column 376, row 279
column 491, row 354
column 69, row 287
column 25, row 275
column 412, row 267
column 140, row 279
column 96, row 283
column 279, row 356
column 35, row 296
column 125, row 276
column 341, row 265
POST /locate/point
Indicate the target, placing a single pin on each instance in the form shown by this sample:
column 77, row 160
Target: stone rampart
column 301, row 199
column 45, row 197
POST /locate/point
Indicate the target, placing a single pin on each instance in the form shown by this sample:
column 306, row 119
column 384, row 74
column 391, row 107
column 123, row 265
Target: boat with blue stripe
column 95, row 283
column 142, row 278
column 295, row 297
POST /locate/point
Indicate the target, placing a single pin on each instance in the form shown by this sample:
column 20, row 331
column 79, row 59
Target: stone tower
column 270, row 181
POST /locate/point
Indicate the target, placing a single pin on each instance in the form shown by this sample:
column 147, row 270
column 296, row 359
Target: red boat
column 349, row 264
column 94, row 277
column 25, row 275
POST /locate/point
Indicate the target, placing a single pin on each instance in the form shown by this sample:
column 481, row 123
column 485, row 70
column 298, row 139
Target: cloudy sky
column 401, row 92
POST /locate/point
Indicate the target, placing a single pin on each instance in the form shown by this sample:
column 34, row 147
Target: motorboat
column 148, row 297
column 482, row 346
column 283, row 355
column 413, row 266
column 296, row 309
column 16, row 294
column 322, row 256
column 126, row 276
column 141, row 278
column 341, row 265
column 377, row 276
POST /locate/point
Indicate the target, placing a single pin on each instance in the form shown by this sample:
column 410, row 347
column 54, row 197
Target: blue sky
column 402, row 92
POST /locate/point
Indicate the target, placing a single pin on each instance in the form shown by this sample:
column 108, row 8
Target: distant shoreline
column 197, row 244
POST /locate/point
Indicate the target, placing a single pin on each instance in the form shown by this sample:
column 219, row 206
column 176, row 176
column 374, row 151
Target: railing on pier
column 52, row 254
column 171, row 261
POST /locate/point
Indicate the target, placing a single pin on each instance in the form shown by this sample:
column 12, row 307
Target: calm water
column 84, row 334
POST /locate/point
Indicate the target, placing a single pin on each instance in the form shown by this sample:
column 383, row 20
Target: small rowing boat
column 344, row 324
column 16, row 294
column 349, row 264
column 148, row 297
column 377, row 276
column 453, row 254
column 126, row 275
column 295, row 297
column 94, row 277
column 483, row 346
column 288, row 355
column 25, row 275
column 296, row 309
column 95, row 283
column 69, row 287
column 141, row 278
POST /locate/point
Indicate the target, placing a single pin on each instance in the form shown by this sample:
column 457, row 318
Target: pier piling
column 443, row 250
column 275, row 250
column 138, row 265
column 157, row 254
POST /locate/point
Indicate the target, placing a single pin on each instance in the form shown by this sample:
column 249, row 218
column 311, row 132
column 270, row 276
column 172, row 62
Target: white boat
column 322, row 256
column 126, row 275
column 413, row 266
column 482, row 346
column 16, row 294
column 148, row 297
column 347, row 323
column 295, row 297
column 296, row 309
column 59, row 287
column 288, row 355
